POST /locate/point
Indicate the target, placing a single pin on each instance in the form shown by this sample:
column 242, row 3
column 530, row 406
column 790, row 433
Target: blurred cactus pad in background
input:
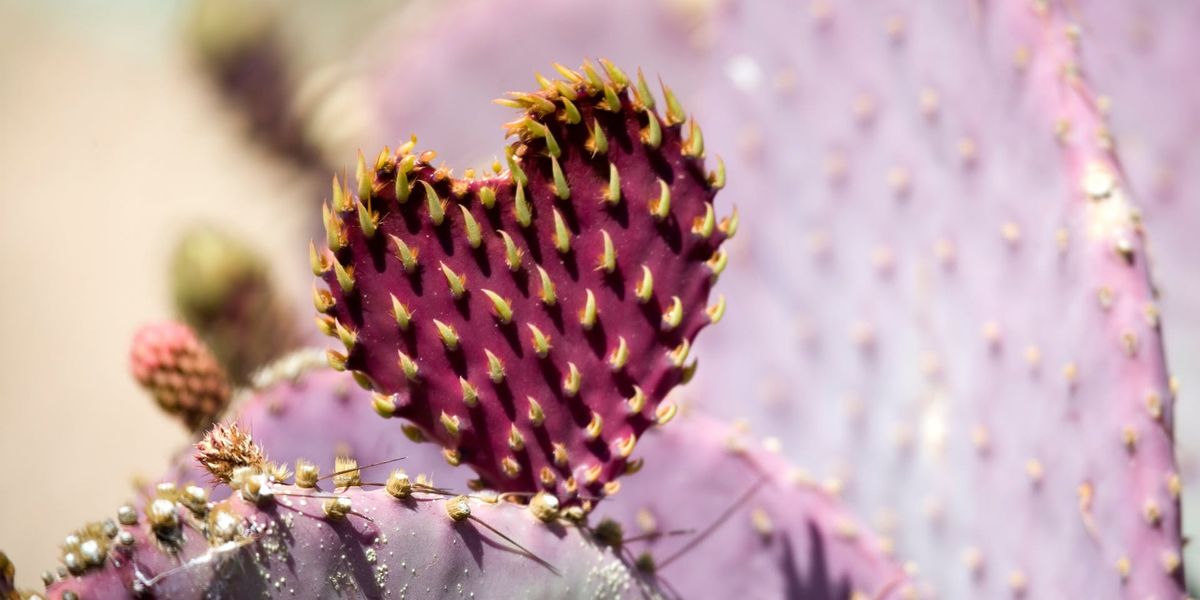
column 630, row 299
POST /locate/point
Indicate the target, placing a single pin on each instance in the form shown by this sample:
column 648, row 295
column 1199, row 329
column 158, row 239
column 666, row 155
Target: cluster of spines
column 405, row 177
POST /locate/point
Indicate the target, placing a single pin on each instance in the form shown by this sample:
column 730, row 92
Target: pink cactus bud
column 180, row 373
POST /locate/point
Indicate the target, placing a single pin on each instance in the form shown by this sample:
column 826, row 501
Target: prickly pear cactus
column 322, row 539
column 715, row 515
column 532, row 321
column 180, row 373
column 953, row 314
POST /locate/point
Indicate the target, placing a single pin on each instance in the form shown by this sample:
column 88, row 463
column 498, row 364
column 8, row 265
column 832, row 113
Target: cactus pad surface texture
column 953, row 318
column 721, row 515
column 1141, row 60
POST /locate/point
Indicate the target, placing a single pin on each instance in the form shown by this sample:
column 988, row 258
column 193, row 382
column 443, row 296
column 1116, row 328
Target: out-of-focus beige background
column 111, row 143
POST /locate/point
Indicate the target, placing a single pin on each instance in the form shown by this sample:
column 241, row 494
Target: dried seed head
column 225, row 448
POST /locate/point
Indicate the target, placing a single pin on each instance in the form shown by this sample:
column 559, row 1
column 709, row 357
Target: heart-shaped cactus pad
column 532, row 321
